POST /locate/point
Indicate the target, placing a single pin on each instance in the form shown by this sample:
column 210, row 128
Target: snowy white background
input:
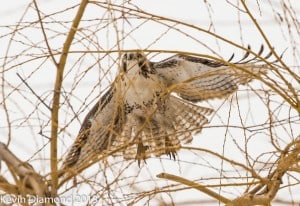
column 30, row 118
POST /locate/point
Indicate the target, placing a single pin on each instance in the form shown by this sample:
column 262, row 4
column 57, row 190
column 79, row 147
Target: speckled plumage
column 140, row 116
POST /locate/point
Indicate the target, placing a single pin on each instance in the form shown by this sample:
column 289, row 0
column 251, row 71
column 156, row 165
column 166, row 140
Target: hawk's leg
column 170, row 149
column 141, row 153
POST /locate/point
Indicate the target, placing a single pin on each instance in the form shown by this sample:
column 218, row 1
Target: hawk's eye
column 124, row 63
column 139, row 56
column 124, row 67
column 130, row 56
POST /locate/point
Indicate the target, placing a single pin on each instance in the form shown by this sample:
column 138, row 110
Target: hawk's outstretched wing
column 197, row 79
column 96, row 131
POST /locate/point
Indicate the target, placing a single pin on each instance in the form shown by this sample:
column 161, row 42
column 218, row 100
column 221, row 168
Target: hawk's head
column 137, row 62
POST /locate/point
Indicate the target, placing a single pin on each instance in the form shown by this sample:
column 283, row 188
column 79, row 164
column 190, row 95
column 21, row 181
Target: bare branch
column 194, row 185
column 57, row 91
column 31, row 181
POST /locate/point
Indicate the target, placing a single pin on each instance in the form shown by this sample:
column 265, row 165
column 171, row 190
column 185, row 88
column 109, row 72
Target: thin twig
column 44, row 32
column 33, row 92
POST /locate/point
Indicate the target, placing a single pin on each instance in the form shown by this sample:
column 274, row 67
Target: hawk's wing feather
column 197, row 79
column 79, row 146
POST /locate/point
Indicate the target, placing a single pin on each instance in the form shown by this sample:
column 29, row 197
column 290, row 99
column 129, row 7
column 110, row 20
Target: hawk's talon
column 141, row 153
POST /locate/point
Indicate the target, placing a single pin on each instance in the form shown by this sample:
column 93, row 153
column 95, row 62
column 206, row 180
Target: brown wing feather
column 84, row 132
column 197, row 79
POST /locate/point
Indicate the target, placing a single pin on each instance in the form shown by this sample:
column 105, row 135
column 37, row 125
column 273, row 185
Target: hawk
column 150, row 107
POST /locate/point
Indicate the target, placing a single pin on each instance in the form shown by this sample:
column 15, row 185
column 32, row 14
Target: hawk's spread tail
column 163, row 132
